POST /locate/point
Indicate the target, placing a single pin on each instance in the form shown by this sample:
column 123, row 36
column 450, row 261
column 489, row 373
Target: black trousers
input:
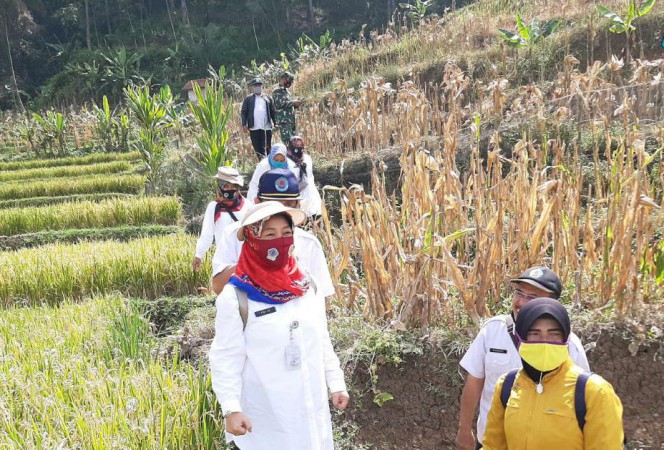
column 261, row 140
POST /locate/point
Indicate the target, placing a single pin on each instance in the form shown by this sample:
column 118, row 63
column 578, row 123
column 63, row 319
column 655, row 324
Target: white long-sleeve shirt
column 261, row 118
column 211, row 231
column 288, row 407
column 311, row 200
column 308, row 252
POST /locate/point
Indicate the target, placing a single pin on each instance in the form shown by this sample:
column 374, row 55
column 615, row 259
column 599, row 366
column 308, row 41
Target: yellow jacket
column 547, row 421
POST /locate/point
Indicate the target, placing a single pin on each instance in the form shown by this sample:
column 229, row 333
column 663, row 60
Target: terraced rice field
column 82, row 250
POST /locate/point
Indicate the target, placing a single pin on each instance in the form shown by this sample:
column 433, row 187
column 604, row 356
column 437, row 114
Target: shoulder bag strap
column 507, row 386
column 243, row 305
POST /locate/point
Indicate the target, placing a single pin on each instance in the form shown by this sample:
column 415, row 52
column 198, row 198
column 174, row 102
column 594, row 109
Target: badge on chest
column 293, row 350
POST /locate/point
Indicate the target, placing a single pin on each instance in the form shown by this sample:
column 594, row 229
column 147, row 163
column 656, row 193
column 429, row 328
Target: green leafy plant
column 527, row 36
column 121, row 71
column 112, row 128
column 625, row 25
column 26, row 130
column 416, row 12
column 52, row 128
column 150, row 113
column 308, row 49
column 212, row 113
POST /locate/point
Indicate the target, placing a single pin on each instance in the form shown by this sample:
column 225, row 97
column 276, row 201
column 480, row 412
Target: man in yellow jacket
column 543, row 406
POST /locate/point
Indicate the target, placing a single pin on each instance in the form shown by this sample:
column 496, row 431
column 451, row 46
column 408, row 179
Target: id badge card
column 293, row 356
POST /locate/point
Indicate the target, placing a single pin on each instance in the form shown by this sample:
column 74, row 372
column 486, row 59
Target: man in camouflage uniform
column 285, row 106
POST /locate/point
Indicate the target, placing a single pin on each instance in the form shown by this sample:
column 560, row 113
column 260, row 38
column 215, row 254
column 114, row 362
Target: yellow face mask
column 543, row 356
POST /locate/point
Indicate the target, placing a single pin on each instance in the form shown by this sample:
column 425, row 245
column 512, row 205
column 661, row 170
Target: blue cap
column 255, row 81
column 278, row 184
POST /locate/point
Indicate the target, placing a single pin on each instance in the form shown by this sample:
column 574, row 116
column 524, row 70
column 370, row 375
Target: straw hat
column 229, row 175
column 262, row 211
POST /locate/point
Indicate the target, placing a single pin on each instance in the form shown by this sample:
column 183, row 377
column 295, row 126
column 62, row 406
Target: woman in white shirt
column 272, row 360
column 301, row 166
column 227, row 207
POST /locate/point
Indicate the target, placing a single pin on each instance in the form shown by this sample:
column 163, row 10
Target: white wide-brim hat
column 264, row 210
column 230, row 175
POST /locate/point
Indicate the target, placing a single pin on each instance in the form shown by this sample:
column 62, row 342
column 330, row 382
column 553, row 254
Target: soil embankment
column 426, row 389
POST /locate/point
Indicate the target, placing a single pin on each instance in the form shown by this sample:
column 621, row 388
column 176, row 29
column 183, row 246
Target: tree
column 88, row 41
column 625, row 25
column 16, row 20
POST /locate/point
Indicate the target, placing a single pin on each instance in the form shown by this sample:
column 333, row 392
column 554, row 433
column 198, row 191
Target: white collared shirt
column 288, row 407
column 211, row 231
column 261, row 119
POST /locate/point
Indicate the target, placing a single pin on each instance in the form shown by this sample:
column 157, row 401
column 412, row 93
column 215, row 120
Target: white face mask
column 258, row 90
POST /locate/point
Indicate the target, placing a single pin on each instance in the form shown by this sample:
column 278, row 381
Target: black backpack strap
column 580, row 398
column 229, row 211
column 507, row 386
column 510, row 330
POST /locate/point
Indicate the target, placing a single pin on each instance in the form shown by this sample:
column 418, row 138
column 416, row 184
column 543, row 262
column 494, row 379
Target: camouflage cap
column 287, row 74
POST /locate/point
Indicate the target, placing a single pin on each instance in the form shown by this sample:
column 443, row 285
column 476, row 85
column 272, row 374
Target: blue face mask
column 278, row 165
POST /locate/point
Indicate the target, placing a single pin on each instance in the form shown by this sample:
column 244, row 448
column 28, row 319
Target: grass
column 147, row 267
column 82, row 376
column 66, row 171
column 107, row 213
column 43, row 201
column 130, row 184
column 73, row 236
column 92, row 158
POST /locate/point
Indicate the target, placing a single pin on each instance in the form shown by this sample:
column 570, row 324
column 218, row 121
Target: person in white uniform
column 280, row 185
column 298, row 154
column 272, row 361
column 495, row 352
column 227, row 207
column 278, row 159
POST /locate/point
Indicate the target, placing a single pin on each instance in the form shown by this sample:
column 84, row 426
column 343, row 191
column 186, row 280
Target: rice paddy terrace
column 81, row 247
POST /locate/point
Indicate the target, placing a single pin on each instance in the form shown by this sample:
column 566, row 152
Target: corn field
column 147, row 267
column 130, row 184
column 82, row 376
column 447, row 244
column 107, row 213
